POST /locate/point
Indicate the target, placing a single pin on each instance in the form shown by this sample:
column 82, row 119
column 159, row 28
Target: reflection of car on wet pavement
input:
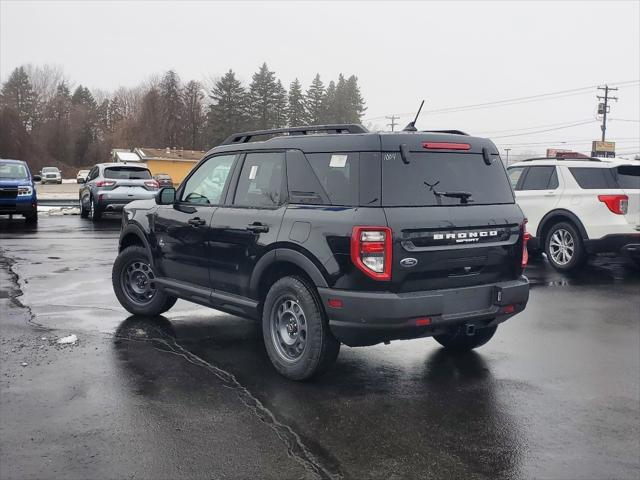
column 379, row 239
column 18, row 190
column 110, row 186
column 578, row 207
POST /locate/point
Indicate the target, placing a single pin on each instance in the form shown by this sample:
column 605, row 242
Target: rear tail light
column 105, row 183
column 525, row 238
column 618, row 204
column 371, row 251
column 445, row 146
column 151, row 184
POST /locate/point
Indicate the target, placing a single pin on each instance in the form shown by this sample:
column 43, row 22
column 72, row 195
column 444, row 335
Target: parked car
column 578, row 207
column 367, row 238
column 18, row 190
column 110, row 186
column 51, row 175
column 163, row 180
column 81, row 177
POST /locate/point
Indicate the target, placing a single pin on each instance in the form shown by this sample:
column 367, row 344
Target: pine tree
column 172, row 109
column 262, row 93
column 194, row 118
column 355, row 101
column 279, row 106
column 17, row 93
column 150, row 124
column 329, row 107
column 313, row 100
column 228, row 111
column 56, row 129
column 296, row 113
column 83, row 125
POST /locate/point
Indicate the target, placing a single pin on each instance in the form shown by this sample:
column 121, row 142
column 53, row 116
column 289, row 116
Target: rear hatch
column 129, row 182
column 628, row 178
column 453, row 215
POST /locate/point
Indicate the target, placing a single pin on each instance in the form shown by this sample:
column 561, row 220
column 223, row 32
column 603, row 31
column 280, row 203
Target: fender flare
column 560, row 212
column 286, row 255
column 132, row 229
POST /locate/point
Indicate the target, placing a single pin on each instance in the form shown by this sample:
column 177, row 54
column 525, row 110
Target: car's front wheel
column 564, row 248
column 296, row 333
column 31, row 217
column 458, row 339
column 134, row 284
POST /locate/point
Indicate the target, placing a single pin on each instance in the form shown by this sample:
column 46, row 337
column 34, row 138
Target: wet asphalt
column 555, row 394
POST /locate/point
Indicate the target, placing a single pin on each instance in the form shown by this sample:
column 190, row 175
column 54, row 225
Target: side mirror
column 36, row 178
column 166, row 196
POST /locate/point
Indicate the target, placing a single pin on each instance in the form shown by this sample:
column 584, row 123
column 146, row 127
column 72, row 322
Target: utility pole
column 393, row 123
column 603, row 108
column 507, row 150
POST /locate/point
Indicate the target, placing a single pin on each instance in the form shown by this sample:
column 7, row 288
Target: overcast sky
column 449, row 53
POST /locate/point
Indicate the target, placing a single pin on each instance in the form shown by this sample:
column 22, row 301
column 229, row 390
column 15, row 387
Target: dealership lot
column 556, row 393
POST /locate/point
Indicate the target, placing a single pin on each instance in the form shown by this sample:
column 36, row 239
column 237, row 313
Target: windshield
column 443, row 179
column 50, row 170
column 127, row 173
column 13, row 170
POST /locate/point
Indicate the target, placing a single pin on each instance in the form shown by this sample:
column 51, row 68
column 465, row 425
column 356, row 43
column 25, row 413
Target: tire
column 31, row 218
column 83, row 212
column 457, row 340
column 132, row 278
column 291, row 308
column 564, row 248
column 95, row 214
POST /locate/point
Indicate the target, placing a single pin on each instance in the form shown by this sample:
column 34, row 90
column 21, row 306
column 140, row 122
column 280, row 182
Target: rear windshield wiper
column 463, row 196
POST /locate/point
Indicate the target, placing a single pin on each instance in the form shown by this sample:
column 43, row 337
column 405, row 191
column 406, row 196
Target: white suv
column 576, row 207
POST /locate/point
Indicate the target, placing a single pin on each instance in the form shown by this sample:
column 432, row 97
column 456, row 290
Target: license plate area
column 467, row 300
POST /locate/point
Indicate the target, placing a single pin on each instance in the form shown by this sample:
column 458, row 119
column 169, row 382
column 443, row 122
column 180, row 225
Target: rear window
column 127, row 173
column 594, row 178
column 628, row 177
column 416, row 184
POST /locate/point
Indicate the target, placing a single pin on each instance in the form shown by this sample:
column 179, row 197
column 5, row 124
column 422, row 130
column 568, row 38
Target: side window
column 92, row 174
column 538, row 178
column 338, row 173
column 553, row 181
column 261, row 180
column 514, row 175
column 304, row 186
column 206, row 184
column 594, row 178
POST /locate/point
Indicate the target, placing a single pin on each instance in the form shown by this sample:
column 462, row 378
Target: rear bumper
column 367, row 318
column 115, row 203
column 627, row 243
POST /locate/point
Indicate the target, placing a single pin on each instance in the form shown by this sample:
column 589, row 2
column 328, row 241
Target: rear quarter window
column 594, row 178
column 628, row 177
column 416, row 184
column 338, row 174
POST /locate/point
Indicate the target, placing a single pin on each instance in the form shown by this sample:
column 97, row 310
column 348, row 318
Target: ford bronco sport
column 331, row 234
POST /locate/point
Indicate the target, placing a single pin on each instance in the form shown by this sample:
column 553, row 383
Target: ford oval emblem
column 409, row 262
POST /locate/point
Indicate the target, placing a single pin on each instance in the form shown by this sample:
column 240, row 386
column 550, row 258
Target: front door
column 182, row 230
column 249, row 223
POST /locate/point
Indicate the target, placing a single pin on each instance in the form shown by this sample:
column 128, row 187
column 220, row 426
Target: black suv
column 331, row 234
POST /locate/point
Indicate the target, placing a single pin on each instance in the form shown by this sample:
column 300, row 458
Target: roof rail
column 454, row 132
column 244, row 137
column 574, row 159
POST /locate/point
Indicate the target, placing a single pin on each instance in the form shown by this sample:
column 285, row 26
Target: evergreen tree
column 313, row 100
column 355, row 101
column 329, row 107
column 262, row 96
column 150, row 124
column 296, row 113
column 279, row 106
column 172, row 109
column 17, row 93
column 228, row 111
column 83, row 125
column 194, row 114
column 56, row 129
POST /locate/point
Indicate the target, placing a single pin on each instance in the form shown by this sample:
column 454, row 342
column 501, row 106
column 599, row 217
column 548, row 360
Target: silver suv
column 110, row 186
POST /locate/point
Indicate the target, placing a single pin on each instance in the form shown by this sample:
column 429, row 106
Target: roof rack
column 244, row 137
column 454, row 132
column 574, row 159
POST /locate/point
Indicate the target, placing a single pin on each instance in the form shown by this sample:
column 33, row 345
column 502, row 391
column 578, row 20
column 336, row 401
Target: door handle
column 196, row 222
column 257, row 227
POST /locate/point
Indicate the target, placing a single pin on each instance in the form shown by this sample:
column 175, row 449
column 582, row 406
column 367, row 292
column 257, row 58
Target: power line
column 604, row 107
column 546, row 130
column 533, row 128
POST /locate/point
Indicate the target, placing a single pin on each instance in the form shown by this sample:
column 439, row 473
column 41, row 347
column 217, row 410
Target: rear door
column 248, row 224
column 445, row 241
column 182, row 231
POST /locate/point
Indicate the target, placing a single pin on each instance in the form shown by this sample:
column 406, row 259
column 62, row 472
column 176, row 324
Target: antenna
column 411, row 126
